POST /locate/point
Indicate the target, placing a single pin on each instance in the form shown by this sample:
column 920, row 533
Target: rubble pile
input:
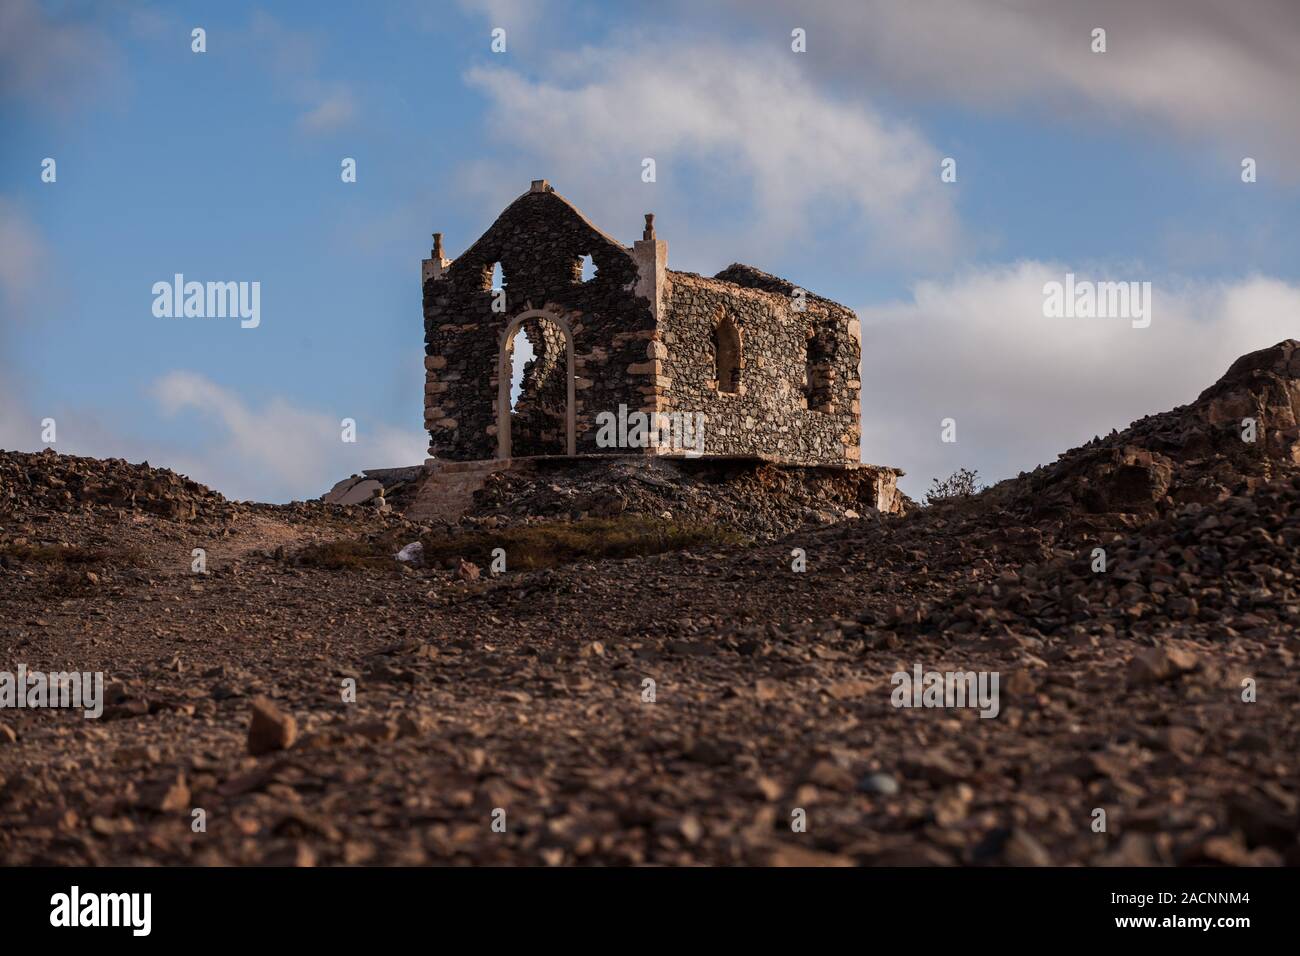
column 758, row 499
column 1236, row 435
column 1216, row 571
column 48, row 482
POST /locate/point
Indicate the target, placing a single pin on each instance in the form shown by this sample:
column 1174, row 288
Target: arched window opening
column 818, row 371
column 726, row 348
column 521, row 352
column 537, row 404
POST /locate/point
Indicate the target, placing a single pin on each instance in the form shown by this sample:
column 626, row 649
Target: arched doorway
column 544, row 408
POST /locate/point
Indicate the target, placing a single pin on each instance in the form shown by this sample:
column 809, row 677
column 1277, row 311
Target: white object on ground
column 412, row 552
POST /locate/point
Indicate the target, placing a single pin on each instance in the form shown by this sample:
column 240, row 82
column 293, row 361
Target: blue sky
column 820, row 166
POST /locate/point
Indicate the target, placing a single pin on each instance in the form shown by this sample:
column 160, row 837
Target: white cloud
column 22, row 257
column 333, row 112
column 745, row 128
column 276, row 451
column 279, row 450
column 1200, row 66
column 52, row 61
column 294, row 60
column 18, row 427
column 1024, row 388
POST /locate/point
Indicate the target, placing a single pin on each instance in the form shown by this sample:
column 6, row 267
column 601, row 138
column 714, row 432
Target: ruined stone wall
column 539, row 240
column 785, row 406
column 537, row 422
column 644, row 337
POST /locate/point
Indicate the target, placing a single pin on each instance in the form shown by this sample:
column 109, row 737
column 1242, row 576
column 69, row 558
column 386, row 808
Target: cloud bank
column 279, row 450
column 1023, row 388
column 1201, row 67
column 729, row 122
column 53, row 63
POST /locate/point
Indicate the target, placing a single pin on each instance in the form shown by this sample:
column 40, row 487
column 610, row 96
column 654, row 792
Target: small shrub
column 962, row 483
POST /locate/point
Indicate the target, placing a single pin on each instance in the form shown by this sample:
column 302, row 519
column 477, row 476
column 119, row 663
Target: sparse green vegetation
column 71, row 556
column 552, row 544
column 346, row 556
column 530, row 547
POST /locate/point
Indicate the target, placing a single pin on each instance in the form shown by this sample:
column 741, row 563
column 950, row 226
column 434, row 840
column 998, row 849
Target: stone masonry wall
column 537, row 423
column 644, row 337
column 798, row 393
column 539, row 240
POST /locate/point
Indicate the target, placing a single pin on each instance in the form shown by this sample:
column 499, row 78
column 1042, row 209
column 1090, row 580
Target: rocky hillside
column 635, row 689
column 1194, row 453
column 48, row 482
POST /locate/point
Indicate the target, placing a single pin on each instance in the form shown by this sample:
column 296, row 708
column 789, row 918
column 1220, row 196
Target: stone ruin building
column 760, row 372
column 768, row 370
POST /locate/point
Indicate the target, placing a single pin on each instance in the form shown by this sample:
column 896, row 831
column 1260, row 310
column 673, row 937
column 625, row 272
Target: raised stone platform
column 447, row 488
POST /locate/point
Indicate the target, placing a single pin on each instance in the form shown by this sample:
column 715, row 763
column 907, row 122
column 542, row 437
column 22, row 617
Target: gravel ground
column 710, row 705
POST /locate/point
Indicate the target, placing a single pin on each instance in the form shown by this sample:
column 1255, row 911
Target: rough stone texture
column 270, row 729
column 1195, row 453
column 643, row 337
column 523, row 690
column 539, row 241
column 353, row 491
column 760, row 499
column 797, row 398
column 539, row 417
column 448, row 488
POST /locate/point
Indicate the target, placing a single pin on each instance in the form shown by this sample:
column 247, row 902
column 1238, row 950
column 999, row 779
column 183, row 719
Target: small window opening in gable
column 726, row 350
column 587, row 269
column 498, row 281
